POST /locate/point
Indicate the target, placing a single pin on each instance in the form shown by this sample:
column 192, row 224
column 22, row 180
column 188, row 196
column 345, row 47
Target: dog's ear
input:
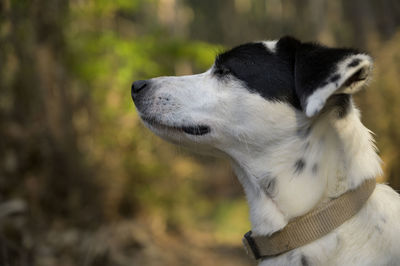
column 321, row 72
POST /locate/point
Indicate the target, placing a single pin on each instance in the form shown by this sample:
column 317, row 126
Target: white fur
column 261, row 139
column 271, row 45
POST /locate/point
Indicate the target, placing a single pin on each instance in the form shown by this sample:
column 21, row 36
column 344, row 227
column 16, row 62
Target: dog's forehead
column 246, row 54
column 263, row 68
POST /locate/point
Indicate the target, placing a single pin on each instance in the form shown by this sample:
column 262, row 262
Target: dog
column 282, row 113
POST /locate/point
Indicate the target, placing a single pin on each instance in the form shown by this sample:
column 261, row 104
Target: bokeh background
column 82, row 182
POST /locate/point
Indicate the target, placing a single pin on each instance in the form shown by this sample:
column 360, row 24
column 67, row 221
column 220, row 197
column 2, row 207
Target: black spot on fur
column 299, row 166
column 354, row 63
column 335, row 78
column 304, row 261
column 314, row 168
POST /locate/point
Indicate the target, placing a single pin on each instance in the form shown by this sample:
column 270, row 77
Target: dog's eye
column 222, row 71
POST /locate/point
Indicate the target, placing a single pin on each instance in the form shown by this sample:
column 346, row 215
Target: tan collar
column 311, row 226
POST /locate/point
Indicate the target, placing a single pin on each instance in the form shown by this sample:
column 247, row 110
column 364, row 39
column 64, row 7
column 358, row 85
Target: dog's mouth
column 195, row 130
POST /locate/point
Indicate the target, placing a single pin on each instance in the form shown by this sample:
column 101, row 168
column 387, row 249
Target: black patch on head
column 335, row 78
column 304, row 261
column 299, row 166
column 354, row 63
column 268, row 74
column 324, row 83
column 290, row 74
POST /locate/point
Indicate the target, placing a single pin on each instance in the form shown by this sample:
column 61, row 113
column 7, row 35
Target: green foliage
column 105, row 62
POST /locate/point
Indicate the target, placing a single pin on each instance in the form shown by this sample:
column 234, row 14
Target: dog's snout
column 138, row 86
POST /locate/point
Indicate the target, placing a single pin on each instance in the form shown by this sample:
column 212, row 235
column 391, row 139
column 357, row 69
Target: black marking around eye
column 221, row 70
column 334, row 78
column 354, row 63
column 299, row 166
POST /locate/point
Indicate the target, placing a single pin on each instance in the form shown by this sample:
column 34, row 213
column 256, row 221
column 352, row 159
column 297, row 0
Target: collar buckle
column 250, row 246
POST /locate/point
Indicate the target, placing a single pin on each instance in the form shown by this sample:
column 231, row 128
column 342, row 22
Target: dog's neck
column 320, row 160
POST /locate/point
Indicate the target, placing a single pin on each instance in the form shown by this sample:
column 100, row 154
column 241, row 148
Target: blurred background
column 82, row 182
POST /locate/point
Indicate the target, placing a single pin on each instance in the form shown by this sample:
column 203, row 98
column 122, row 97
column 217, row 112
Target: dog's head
column 254, row 93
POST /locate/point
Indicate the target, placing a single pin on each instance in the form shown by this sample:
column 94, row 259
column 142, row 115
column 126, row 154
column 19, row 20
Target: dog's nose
column 137, row 86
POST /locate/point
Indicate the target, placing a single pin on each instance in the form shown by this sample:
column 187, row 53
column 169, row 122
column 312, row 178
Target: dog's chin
column 187, row 137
